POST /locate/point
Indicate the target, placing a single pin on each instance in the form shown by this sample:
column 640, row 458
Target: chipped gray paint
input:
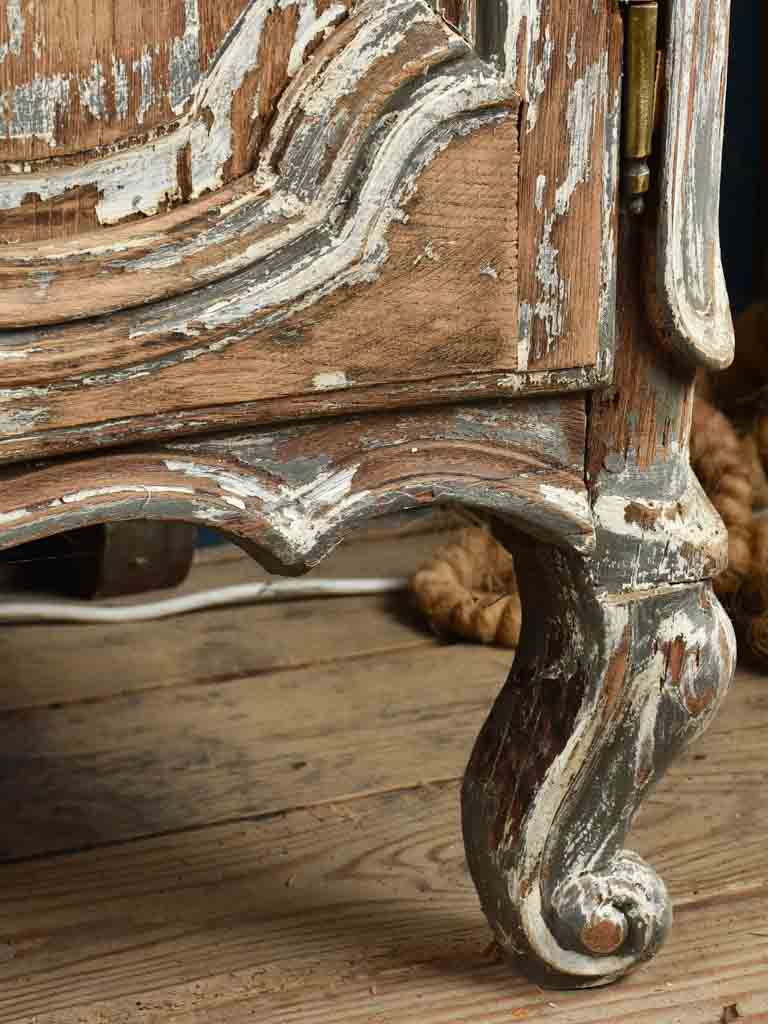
column 120, row 87
column 554, row 870
column 587, row 100
column 147, row 86
column 693, row 309
column 91, row 90
column 184, row 65
column 16, row 27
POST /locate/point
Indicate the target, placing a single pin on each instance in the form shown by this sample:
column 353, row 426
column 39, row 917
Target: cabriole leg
column 606, row 691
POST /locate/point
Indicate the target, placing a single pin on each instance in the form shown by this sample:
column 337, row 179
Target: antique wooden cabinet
column 276, row 266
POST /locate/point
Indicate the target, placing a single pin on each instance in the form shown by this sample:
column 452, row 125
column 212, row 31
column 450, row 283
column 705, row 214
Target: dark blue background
column 740, row 215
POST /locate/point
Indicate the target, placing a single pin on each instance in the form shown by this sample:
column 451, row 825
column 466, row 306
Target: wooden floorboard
column 283, row 844
column 78, row 663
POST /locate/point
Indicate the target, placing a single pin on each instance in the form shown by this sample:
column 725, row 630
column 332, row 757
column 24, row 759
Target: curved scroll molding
column 290, row 495
column 606, row 691
column 692, row 301
column 366, row 90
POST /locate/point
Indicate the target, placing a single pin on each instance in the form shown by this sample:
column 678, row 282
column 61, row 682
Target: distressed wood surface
column 569, row 145
column 77, row 76
column 185, row 91
column 654, row 523
column 16, row 446
column 289, row 495
column 298, row 186
column 690, row 300
column 399, row 221
column 362, row 908
column 605, row 692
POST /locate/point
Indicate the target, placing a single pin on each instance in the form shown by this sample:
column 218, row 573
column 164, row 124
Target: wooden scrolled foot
column 606, row 691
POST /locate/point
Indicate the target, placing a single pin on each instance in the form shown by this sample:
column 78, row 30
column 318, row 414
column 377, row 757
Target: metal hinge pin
column 640, row 86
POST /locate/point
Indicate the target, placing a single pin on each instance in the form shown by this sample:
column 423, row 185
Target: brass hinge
column 640, row 88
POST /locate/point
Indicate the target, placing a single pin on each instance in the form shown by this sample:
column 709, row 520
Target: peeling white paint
column 359, row 250
column 574, row 502
column 300, row 515
column 120, row 87
column 541, row 185
column 685, row 523
column 538, row 73
column 6, row 518
column 329, row 381
column 610, row 189
column 571, row 57
column 238, row 484
column 16, row 26
column 34, row 108
column 88, row 494
column 311, row 27
column 184, row 64
column 144, row 67
column 692, row 285
column 91, row 90
column 584, row 106
column 586, row 101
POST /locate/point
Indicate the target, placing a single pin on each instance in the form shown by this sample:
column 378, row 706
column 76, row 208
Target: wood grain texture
column 638, row 468
column 290, row 495
column 606, row 691
column 231, row 643
column 398, row 224
column 122, row 757
column 235, row 104
column 362, row 909
column 322, row 404
column 568, row 181
column 77, row 76
column 79, row 81
column 689, row 296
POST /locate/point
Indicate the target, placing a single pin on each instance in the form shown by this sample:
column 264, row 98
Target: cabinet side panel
column 568, row 145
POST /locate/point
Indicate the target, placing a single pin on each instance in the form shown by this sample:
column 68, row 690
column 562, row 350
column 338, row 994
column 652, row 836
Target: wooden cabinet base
column 303, row 264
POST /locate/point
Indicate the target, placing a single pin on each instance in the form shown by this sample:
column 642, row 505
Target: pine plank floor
column 251, row 815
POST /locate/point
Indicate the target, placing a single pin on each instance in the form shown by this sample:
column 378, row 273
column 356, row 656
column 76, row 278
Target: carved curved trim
column 290, row 495
column 327, row 125
column 606, row 691
column 693, row 311
column 642, row 541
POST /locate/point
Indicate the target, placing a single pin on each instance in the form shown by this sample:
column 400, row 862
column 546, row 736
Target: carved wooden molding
column 470, row 177
column 325, row 127
column 691, row 306
column 606, row 691
column 289, row 495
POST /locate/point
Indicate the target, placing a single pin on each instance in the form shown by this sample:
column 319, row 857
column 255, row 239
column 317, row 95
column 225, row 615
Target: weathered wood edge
column 18, row 441
column 690, row 304
column 283, row 204
column 290, row 495
column 603, row 695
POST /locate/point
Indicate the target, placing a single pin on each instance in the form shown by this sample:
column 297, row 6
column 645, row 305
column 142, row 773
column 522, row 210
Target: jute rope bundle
column 468, row 589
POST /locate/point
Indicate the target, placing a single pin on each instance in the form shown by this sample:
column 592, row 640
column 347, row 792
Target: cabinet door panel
column 354, row 205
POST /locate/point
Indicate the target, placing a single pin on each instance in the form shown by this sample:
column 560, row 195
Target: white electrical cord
column 244, row 593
